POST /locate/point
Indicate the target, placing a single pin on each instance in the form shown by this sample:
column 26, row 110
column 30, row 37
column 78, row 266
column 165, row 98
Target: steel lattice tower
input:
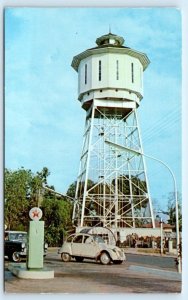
column 112, row 185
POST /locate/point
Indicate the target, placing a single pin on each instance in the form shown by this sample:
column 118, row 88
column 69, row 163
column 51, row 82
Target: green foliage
column 123, row 184
column 57, row 217
column 24, row 190
column 71, row 190
column 134, row 185
column 17, row 191
column 172, row 210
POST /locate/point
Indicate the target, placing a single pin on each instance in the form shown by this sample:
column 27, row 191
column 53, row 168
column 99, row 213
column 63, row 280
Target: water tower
column 112, row 186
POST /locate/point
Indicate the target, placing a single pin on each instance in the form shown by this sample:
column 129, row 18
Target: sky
column 44, row 121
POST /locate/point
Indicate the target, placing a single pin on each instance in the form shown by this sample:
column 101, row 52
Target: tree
column 172, row 210
column 17, row 192
column 57, row 213
column 57, row 216
column 125, row 186
column 37, row 186
column 71, row 190
column 24, row 190
column 138, row 186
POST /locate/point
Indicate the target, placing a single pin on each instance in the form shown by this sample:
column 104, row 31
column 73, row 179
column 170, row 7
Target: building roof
column 110, row 43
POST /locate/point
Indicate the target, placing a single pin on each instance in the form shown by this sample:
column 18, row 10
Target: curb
column 21, row 271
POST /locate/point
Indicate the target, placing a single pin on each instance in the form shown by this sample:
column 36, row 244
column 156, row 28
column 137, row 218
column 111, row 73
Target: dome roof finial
column 109, row 28
column 110, row 39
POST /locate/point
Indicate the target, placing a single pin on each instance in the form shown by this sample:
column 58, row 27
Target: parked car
column 15, row 246
column 81, row 245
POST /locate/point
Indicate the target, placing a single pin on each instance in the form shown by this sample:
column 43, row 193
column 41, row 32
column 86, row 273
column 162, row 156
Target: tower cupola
column 110, row 70
column 110, row 39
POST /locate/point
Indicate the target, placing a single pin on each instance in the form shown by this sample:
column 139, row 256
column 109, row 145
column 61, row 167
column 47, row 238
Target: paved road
column 92, row 277
column 163, row 262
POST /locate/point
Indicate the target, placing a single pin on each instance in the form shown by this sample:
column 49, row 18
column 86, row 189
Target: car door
column 76, row 245
column 84, row 246
column 90, row 247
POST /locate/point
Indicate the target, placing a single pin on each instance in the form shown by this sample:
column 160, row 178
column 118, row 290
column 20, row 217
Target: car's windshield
column 18, row 236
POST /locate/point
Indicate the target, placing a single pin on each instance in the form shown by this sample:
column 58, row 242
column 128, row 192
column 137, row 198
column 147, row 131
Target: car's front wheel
column 105, row 258
column 15, row 257
column 65, row 257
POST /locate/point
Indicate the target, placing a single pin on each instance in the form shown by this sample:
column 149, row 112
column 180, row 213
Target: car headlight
column 23, row 245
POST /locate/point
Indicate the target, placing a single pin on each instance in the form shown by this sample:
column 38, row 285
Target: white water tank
column 110, row 71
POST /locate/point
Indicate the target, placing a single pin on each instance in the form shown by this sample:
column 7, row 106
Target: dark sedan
column 15, row 245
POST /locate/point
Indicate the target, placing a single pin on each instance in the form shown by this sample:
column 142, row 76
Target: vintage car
column 91, row 246
column 15, row 246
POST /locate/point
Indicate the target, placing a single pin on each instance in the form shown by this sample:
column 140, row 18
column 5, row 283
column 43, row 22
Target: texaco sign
column 35, row 213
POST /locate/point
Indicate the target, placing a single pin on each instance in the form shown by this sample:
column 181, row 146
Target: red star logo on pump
column 35, row 213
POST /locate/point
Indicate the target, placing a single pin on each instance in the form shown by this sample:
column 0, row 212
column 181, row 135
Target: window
column 132, row 72
column 78, row 239
column 69, row 239
column 117, row 70
column 85, row 73
column 88, row 239
column 99, row 70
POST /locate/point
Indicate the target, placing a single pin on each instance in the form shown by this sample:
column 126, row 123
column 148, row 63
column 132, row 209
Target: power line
column 163, row 126
column 162, row 121
column 174, row 116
